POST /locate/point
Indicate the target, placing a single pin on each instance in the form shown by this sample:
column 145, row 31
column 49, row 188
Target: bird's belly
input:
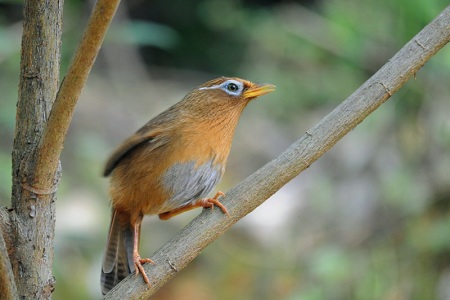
column 150, row 183
column 186, row 182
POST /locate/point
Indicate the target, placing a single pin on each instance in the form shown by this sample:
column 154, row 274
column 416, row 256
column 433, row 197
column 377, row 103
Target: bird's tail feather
column 118, row 256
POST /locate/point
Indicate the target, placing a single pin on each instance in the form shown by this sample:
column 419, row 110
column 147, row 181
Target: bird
column 169, row 166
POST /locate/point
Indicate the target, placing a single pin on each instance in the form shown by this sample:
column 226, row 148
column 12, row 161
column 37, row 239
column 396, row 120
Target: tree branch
column 61, row 115
column 43, row 117
column 29, row 235
column 258, row 187
column 8, row 290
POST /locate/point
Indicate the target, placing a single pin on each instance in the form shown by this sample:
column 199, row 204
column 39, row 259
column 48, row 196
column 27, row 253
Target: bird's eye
column 232, row 87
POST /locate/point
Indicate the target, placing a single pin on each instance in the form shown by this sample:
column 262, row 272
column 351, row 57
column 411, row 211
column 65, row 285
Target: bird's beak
column 258, row 90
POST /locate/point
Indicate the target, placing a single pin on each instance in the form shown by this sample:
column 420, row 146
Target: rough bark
column 43, row 117
column 32, row 218
column 258, row 187
column 8, row 289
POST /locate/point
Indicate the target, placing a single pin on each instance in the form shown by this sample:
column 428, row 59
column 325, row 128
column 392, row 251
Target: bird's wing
column 154, row 139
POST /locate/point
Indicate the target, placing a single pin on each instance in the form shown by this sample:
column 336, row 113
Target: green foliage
column 141, row 33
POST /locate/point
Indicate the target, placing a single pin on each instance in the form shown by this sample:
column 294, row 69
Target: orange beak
column 258, row 90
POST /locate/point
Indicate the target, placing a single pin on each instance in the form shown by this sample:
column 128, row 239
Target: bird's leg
column 205, row 202
column 138, row 261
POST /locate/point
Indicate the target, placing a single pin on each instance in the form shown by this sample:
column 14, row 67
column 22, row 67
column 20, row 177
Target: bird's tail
column 118, row 256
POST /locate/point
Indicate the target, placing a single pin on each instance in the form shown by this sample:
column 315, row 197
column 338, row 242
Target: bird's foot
column 138, row 261
column 210, row 202
column 206, row 202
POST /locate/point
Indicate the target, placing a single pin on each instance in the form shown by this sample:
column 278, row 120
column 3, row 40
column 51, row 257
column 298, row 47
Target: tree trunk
column 43, row 117
column 31, row 232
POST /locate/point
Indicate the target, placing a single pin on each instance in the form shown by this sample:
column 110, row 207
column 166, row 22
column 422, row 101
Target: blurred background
column 369, row 220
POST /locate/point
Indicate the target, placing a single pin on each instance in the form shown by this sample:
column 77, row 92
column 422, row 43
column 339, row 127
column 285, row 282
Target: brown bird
column 170, row 166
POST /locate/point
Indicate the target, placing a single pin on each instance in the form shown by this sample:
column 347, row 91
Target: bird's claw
column 138, row 261
column 210, row 202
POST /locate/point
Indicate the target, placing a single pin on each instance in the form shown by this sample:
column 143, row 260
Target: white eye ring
column 231, row 87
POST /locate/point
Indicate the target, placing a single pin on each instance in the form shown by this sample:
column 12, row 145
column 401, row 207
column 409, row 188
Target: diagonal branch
column 258, row 187
column 61, row 115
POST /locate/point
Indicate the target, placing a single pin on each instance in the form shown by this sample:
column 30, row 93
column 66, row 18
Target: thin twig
column 258, row 187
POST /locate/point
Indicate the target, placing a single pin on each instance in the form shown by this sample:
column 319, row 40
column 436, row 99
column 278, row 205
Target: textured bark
column 8, row 290
column 26, row 243
column 258, row 187
column 32, row 219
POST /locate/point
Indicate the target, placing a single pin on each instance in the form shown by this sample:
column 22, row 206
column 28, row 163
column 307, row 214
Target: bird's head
column 225, row 94
column 234, row 89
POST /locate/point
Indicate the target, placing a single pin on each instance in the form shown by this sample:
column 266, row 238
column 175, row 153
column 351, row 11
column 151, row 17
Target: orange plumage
column 170, row 165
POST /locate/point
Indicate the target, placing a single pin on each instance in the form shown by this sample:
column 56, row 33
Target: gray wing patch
column 186, row 182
